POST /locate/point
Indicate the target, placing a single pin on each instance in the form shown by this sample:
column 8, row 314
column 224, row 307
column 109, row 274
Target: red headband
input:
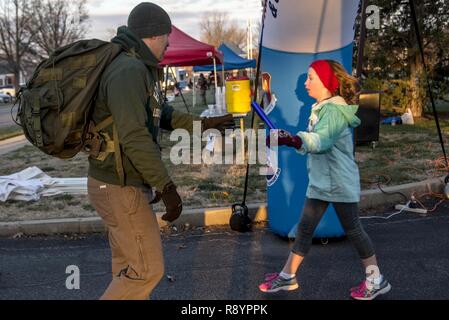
column 326, row 74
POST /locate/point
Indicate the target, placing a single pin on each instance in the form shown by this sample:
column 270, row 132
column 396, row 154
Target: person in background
column 202, row 86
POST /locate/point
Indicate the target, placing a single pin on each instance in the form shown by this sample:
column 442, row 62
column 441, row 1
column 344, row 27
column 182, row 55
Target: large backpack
column 55, row 107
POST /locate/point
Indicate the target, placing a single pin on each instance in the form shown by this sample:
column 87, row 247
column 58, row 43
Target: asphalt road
column 217, row 263
column 5, row 115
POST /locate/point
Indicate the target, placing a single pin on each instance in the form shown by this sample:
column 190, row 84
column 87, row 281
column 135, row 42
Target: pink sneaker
column 271, row 276
column 274, row 282
column 363, row 293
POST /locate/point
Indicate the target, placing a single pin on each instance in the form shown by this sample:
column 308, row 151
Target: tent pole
column 247, row 41
column 215, row 74
column 166, row 82
column 250, row 42
column 223, row 87
column 193, row 88
column 250, row 45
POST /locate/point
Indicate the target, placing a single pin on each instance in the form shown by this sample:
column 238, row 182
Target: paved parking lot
column 217, row 263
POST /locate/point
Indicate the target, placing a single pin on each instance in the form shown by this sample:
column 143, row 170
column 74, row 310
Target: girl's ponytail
column 349, row 86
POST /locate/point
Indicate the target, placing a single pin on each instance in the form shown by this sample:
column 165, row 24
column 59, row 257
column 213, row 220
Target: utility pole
column 249, row 42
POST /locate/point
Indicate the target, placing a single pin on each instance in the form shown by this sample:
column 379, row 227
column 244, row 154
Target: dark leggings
column 348, row 215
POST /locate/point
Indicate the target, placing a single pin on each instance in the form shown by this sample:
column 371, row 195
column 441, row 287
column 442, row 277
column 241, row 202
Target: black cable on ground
column 392, row 193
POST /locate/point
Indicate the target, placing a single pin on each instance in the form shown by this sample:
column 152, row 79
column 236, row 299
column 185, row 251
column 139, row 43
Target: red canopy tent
column 186, row 51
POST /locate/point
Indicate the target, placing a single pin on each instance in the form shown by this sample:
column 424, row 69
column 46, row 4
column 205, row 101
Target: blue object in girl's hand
column 262, row 115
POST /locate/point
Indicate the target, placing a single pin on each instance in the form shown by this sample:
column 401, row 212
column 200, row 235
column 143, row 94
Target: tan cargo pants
column 134, row 238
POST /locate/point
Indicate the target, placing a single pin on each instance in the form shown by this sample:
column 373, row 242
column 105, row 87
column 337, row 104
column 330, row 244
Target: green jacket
column 130, row 92
column 333, row 172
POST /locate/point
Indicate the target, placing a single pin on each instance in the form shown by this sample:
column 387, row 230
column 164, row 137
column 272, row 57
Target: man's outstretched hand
column 220, row 123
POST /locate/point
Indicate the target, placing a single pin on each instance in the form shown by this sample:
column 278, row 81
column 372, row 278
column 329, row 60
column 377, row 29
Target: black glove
column 157, row 197
column 172, row 202
column 220, row 123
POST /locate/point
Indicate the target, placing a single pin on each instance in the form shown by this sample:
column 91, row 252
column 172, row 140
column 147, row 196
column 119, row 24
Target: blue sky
column 107, row 15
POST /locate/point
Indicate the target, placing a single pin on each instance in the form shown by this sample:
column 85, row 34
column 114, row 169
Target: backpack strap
column 35, row 114
column 118, row 157
column 110, row 146
column 106, row 144
column 103, row 124
column 156, row 111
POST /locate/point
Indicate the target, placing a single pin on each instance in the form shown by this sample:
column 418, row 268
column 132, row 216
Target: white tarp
column 32, row 184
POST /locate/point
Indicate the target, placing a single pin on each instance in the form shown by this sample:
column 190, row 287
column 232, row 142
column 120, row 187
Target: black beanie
column 148, row 19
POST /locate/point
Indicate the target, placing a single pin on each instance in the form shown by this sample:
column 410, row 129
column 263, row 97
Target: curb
column 12, row 144
column 209, row 216
column 373, row 198
column 15, row 139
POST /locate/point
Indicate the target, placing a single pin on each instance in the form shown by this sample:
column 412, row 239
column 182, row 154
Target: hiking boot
column 362, row 292
column 274, row 282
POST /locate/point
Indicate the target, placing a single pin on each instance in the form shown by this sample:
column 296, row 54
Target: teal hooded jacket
column 328, row 143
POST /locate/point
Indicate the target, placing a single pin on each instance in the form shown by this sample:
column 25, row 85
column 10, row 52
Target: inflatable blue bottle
column 295, row 34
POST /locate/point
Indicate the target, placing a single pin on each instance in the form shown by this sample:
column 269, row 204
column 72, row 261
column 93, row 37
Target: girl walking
column 333, row 176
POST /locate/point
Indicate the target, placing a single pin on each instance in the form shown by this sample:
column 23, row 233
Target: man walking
column 122, row 176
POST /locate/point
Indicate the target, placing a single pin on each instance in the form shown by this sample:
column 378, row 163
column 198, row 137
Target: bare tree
column 30, row 30
column 15, row 37
column 216, row 27
column 59, row 22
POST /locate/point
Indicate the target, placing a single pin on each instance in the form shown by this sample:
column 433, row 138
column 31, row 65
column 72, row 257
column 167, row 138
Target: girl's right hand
column 285, row 138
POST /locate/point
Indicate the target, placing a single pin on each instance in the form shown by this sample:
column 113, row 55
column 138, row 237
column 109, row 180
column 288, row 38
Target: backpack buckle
column 92, row 144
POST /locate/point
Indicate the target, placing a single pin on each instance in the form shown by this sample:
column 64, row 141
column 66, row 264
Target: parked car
column 5, row 98
column 9, row 90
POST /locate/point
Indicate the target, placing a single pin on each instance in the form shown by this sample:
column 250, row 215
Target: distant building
column 6, row 77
